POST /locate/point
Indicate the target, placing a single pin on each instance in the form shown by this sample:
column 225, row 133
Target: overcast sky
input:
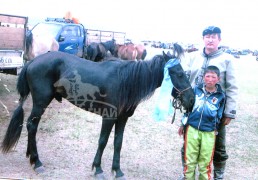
column 165, row 20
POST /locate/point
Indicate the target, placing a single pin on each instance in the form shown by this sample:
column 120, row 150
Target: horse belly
column 85, row 96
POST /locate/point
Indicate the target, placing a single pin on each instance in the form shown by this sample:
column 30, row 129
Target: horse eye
column 180, row 74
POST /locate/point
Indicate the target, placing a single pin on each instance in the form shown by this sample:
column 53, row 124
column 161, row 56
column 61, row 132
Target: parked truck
column 73, row 38
column 12, row 42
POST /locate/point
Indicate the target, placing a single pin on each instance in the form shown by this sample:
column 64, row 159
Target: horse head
column 116, row 50
column 182, row 91
column 111, row 46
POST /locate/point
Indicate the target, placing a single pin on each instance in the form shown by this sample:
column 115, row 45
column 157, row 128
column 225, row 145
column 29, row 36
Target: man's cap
column 211, row 30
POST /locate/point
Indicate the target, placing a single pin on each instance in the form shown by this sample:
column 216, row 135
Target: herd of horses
column 101, row 51
column 113, row 85
column 37, row 45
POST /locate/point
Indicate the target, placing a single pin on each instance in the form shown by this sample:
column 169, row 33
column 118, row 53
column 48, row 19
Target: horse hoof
column 100, row 176
column 39, row 170
column 121, row 178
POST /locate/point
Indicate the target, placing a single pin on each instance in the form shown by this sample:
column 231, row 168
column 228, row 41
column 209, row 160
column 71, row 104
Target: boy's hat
column 211, row 30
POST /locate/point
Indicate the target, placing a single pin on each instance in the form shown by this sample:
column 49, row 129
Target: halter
column 177, row 104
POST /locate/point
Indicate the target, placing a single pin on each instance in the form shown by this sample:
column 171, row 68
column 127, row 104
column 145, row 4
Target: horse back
column 56, row 65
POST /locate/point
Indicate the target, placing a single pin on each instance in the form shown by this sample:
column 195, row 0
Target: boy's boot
column 219, row 169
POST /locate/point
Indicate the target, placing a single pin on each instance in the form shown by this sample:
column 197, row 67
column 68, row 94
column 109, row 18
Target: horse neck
column 153, row 74
column 139, row 81
column 107, row 45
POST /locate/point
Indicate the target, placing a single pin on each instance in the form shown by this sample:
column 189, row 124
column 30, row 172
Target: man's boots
column 219, row 169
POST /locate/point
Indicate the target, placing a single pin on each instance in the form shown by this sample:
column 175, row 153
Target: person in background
column 202, row 124
column 194, row 67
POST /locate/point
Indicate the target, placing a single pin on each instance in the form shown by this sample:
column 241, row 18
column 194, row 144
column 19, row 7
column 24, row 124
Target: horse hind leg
column 32, row 125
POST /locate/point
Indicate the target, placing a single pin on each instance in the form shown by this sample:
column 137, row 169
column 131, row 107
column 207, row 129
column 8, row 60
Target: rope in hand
column 177, row 104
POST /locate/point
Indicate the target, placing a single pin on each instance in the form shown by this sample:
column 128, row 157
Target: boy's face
column 211, row 79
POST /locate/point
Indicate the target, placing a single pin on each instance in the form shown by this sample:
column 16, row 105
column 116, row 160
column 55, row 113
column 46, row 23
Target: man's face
column 211, row 41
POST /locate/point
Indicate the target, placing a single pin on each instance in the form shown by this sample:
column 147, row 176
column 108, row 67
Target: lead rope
column 177, row 105
column 177, row 102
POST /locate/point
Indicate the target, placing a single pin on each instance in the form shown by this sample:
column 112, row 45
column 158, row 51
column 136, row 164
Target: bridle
column 176, row 103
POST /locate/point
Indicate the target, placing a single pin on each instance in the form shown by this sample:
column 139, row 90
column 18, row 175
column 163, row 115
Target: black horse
column 98, row 51
column 111, row 88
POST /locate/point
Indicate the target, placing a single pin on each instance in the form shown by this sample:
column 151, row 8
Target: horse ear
column 164, row 54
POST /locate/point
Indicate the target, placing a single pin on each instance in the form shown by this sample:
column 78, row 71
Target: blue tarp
column 164, row 104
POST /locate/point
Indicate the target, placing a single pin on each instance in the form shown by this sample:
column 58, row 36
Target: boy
column 201, row 125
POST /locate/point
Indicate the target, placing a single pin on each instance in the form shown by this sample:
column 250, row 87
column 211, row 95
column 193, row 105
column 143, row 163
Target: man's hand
column 226, row 120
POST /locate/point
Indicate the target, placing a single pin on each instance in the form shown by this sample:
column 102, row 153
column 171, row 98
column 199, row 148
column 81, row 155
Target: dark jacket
column 208, row 109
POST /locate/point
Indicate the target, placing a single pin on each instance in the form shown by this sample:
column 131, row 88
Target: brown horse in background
column 126, row 52
column 141, row 52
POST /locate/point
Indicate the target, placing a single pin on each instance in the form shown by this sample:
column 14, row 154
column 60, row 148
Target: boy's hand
column 181, row 130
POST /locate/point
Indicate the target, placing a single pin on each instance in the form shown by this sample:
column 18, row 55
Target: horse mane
column 139, row 79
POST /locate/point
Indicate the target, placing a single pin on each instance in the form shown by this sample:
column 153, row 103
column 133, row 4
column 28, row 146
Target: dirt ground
column 67, row 140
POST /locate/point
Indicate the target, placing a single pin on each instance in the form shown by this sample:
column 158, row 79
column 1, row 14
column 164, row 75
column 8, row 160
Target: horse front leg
column 32, row 125
column 106, row 128
column 118, row 140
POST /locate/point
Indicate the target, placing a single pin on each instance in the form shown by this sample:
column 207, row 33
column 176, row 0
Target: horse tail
column 15, row 127
column 144, row 54
column 22, row 84
column 178, row 50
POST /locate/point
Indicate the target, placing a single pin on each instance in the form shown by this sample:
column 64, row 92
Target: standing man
column 195, row 66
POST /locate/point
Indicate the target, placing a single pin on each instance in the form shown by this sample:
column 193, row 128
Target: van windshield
column 46, row 29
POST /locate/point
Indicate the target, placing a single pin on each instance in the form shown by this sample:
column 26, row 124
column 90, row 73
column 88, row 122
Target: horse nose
column 192, row 100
